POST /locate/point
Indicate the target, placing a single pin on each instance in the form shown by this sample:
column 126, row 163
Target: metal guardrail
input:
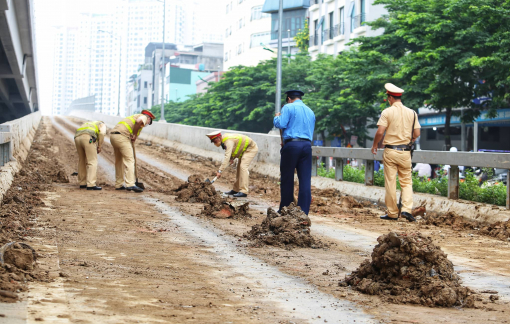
column 5, row 145
column 454, row 159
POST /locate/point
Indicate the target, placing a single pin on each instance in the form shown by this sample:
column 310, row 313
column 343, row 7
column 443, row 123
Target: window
column 226, row 56
column 256, row 13
column 353, row 18
column 260, row 39
column 331, row 27
column 145, row 85
column 227, row 8
column 341, row 29
column 145, row 100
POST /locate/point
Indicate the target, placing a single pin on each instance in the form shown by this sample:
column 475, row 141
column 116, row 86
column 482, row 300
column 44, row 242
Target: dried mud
column 409, row 268
column 196, row 190
column 291, row 228
column 499, row 230
column 19, row 209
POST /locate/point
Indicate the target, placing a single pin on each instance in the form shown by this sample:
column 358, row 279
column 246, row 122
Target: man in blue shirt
column 297, row 122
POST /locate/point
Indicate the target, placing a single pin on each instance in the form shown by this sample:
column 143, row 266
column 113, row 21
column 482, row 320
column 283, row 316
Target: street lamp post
column 162, row 119
column 288, row 44
column 277, row 104
column 120, row 65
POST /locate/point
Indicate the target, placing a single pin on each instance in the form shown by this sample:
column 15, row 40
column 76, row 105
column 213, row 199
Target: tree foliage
column 302, row 38
column 444, row 53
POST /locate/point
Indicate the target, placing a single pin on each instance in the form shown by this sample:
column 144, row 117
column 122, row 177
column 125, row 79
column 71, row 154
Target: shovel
column 214, row 179
column 138, row 184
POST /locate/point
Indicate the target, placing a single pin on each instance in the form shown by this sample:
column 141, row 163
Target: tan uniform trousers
column 398, row 162
column 124, row 160
column 243, row 175
column 87, row 160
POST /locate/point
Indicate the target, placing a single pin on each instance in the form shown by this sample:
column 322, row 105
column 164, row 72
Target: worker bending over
column 236, row 146
column 123, row 138
column 89, row 139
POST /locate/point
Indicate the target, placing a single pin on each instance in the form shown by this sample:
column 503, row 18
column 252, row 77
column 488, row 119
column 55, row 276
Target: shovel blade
column 140, row 184
column 207, row 180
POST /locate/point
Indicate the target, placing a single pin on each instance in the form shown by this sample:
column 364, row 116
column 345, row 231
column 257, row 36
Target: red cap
column 394, row 94
column 148, row 113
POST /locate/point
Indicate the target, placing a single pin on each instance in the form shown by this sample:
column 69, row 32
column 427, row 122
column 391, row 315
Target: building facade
column 247, row 31
column 334, row 23
column 295, row 14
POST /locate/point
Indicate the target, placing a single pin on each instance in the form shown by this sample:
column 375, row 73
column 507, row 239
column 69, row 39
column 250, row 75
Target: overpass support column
column 453, row 182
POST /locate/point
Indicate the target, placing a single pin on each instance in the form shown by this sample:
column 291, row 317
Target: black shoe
column 386, row 217
column 408, row 216
column 94, row 188
column 134, row 188
column 83, row 187
column 121, row 188
column 240, row 195
column 231, row 192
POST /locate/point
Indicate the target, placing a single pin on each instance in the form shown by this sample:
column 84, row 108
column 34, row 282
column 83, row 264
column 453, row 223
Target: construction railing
column 454, row 159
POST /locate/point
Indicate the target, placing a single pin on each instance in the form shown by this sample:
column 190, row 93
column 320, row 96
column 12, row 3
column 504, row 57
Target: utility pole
column 162, row 119
column 277, row 104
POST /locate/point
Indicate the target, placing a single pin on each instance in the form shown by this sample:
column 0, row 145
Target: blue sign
column 318, row 143
column 438, row 120
column 336, row 142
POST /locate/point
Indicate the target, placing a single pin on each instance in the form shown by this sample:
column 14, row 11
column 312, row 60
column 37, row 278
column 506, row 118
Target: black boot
column 231, row 192
column 94, row 188
column 386, row 217
column 408, row 216
column 121, row 188
column 240, row 195
column 83, row 187
column 134, row 188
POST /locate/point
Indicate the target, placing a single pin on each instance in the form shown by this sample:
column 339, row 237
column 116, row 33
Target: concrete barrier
column 18, row 135
column 192, row 140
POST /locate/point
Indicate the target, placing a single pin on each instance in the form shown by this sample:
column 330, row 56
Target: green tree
column 302, row 38
column 447, row 53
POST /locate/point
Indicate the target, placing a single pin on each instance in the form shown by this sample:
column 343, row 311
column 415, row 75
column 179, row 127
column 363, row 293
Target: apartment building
column 334, row 23
column 247, row 32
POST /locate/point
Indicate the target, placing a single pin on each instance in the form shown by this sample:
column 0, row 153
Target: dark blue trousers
column 296, row 155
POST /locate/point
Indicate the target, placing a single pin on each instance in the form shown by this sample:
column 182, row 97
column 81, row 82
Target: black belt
column 114, row 133
column 296, row 140
column 398, row 147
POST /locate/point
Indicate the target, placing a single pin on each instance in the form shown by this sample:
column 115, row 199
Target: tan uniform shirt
column 398, row 120
column 230, row 145
column 124, row 131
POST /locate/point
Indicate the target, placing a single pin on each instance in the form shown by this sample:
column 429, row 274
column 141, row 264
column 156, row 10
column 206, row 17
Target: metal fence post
column 339, row 169
column 369, row 172
column 314, row 166
column 453, row 182
column 507, row 189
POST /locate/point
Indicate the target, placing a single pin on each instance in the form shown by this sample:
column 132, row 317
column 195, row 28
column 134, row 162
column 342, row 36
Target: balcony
column 314, row 40
column 285, row 34
column 339, row 30
column 358, row 21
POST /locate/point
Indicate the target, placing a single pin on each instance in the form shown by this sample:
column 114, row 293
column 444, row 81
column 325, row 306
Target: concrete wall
column 192, row 140
column 21, row 133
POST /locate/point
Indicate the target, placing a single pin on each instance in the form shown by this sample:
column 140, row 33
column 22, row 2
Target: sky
column 47, row 15
column 51, row 13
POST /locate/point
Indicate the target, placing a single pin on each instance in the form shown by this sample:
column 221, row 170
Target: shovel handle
column 214, row 179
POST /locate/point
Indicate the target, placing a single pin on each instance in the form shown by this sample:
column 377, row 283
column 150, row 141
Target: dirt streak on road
column 322, row 268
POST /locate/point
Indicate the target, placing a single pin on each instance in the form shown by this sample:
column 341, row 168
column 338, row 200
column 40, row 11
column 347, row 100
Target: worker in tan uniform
column 89, row 140
column 402, row 129
column 236, row 146
column 123, row 137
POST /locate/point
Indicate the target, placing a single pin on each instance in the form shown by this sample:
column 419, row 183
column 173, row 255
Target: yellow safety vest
column 242, row 144
column 91, row 128
column 130, row 122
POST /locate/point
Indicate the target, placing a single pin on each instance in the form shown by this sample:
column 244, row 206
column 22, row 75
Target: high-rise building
column 105, row 49
column 247, row 31
column 333, row 24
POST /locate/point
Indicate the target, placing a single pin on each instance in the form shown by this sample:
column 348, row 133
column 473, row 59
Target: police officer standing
column 297, row 122
column 402, row 129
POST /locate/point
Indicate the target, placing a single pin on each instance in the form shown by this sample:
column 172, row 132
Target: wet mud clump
column 291, row 228
column 409, row 268
column 499, row 230
column 196, row 190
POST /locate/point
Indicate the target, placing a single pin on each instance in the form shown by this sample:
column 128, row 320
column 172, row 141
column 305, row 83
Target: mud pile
column 18, row 211
column 198, row 191
column 499, row 230
column 291, row 228
column 409, row 268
